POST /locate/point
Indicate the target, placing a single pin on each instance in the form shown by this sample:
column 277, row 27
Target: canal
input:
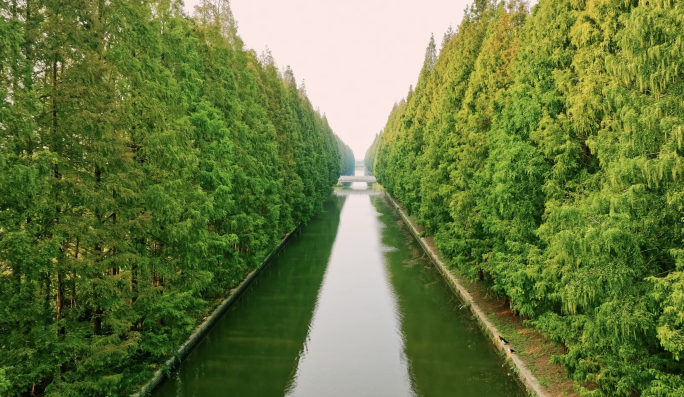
column 350, row 307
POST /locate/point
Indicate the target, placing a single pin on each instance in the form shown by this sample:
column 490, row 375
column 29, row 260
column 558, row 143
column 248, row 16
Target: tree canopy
column 148, row 162
column 543, row 150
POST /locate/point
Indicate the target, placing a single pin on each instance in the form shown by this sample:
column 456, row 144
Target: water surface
column 351, row 307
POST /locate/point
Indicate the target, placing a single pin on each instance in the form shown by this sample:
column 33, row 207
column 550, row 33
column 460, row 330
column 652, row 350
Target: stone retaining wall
column 208, row 323
column 528, row 379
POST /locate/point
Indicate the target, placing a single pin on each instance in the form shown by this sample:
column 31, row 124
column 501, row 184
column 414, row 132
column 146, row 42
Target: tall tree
column 545, row 161
column 148, row 162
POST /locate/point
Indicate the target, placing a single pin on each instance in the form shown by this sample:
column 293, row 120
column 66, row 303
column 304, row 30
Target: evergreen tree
column 148, row 162
column 542, row 152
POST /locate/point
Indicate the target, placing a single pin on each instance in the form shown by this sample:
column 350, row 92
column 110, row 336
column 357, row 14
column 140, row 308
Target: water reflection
column 448, row 355
column 355, row 345
column 352, row 307
column 255, row 347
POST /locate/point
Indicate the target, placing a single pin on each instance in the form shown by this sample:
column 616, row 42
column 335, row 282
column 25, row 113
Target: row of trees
column 369, row 158
column 544, row 153
column 347, row 159
column 148, row 162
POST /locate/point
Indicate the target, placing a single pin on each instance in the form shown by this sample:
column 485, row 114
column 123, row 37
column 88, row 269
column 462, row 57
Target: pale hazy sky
column 358, row 57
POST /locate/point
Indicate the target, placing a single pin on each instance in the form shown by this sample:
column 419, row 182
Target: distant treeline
column 347, row 160
column 544, row 153
column 369, row 158
column 148, row 162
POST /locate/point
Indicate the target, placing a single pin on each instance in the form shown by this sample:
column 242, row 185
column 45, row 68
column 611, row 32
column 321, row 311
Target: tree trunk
column 97, row 311
column 60, row 302
column 134, row 284
column 97, row 321
column 73, row 277
column 54, row 100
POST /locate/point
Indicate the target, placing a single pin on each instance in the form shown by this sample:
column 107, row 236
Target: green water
column 351, row 307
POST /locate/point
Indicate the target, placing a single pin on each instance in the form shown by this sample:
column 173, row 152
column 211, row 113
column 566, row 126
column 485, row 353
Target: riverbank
column 209, row 322
column 328, row 316
column 531, row 359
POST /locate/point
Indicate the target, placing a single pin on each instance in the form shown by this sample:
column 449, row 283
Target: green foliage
column 544, row 152
column 347, row 159
column 369, row 158
column 148, row 162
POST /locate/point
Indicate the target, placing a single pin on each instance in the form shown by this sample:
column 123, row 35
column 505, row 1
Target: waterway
column 351, row 307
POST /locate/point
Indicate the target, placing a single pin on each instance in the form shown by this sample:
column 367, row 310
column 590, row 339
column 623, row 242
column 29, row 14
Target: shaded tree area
column 148, row 162
column 347, row 160
column 369, row 158
column 543, row 151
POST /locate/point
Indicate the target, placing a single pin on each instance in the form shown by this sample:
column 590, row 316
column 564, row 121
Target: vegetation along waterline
column 148, row 162
column 350, row 307
column 543, row 151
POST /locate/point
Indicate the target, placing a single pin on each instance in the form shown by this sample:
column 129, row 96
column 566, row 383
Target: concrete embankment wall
column 528, row 379
column 208, row 323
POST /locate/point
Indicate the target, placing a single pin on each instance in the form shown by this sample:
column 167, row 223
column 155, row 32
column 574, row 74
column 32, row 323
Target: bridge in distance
column 368, row 179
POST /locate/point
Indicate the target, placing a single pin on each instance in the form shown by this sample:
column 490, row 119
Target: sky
column 357, row 57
